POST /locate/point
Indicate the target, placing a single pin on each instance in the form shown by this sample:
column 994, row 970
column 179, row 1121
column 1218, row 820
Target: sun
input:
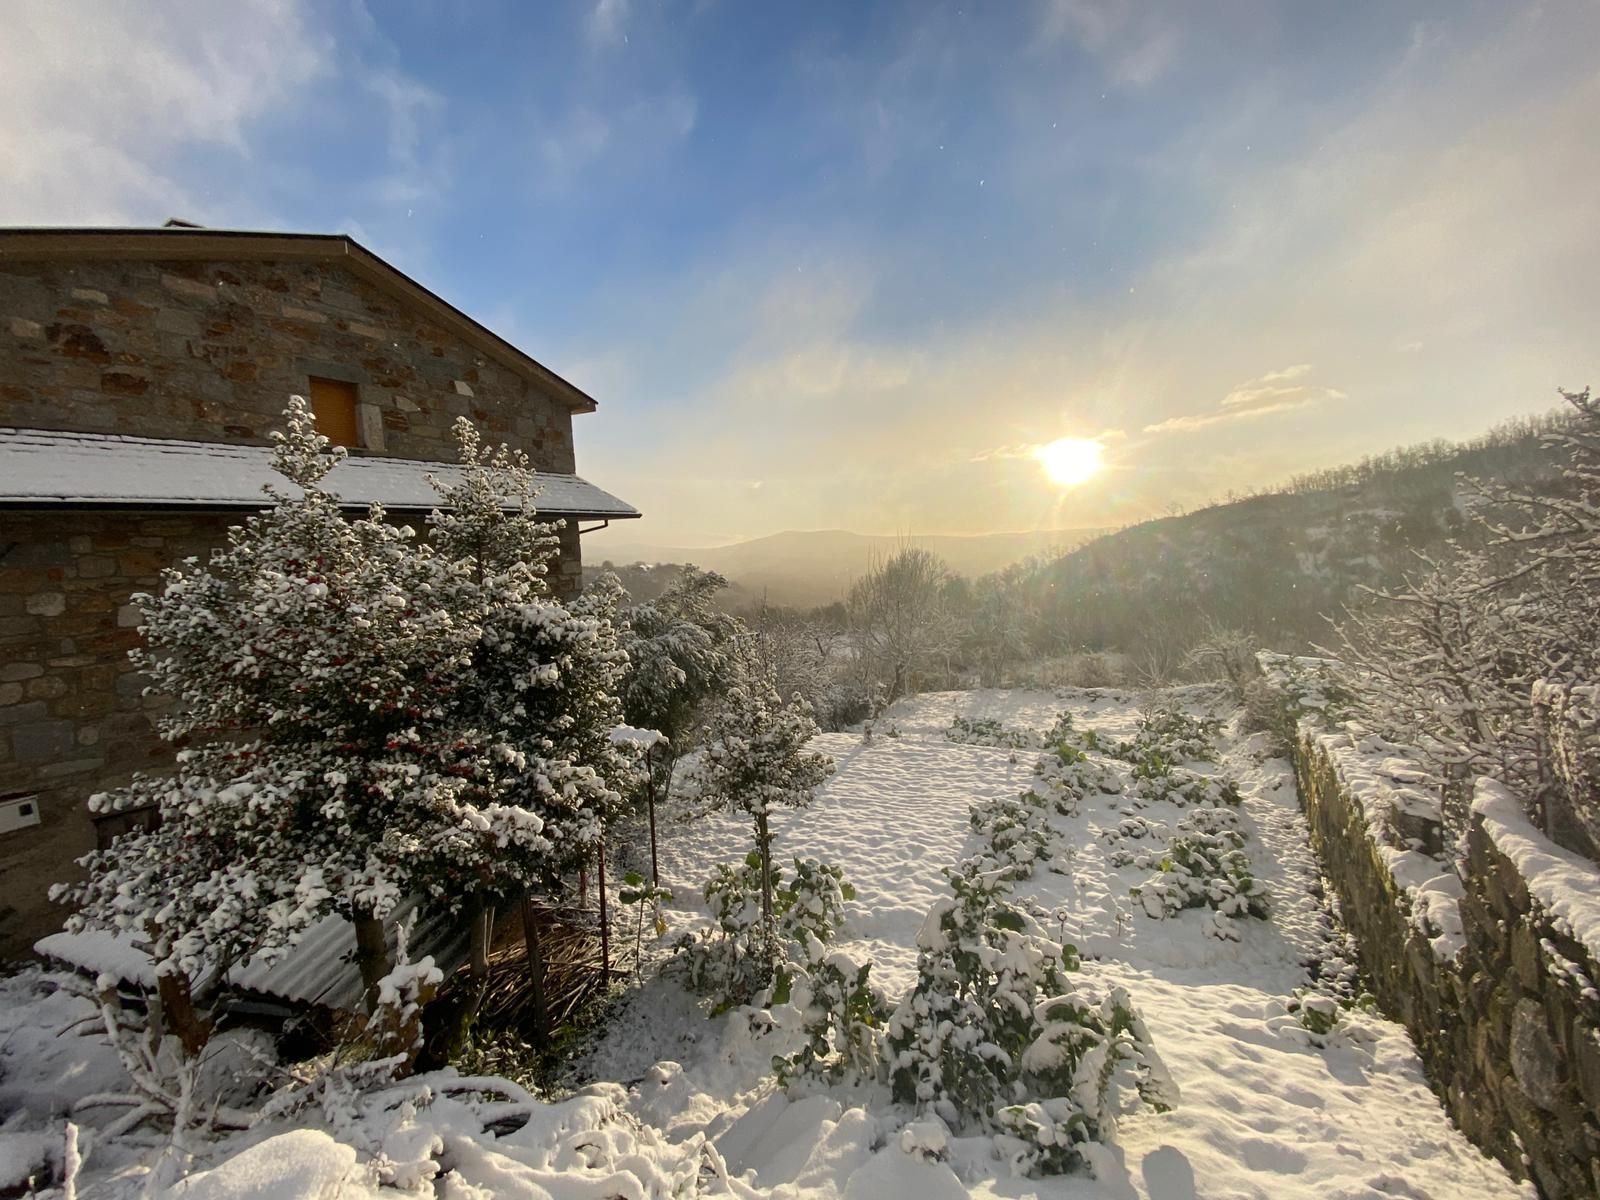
column 1070, row 461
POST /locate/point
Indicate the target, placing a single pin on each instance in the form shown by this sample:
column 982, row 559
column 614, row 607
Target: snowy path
column 1265, row 1114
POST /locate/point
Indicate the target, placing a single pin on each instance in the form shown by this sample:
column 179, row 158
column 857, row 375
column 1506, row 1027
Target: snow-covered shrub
column 1318, row 1014
column 842, row 1016
column 396, row 1021
column 735, row 961
column 1156, row 779
column 1087, row 1060
column 993, row 1025
column 1067, row 774
column 1204, row 869
column 680, row 647
column 811, row 905
column 986, row 731
column 957, row 1038
column 1170, row 735
column 373, row 714
column 1018, row 832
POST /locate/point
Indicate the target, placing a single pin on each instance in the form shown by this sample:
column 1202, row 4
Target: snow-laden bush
column 731, row 962
column 1156, row 780
column 811, row 905
column 1087, row 1060
column 994, row 1026
column 681, row 650
column 1172, row 736
column 735, row 960
column 1067, row 774
column 1204, row 869
column 841, row 1016
column 986, row 731
column 371, row 714
column 1018, row 832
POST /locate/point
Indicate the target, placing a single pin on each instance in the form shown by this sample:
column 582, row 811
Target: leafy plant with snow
column 396, row 1021
column 1202, row 869
column 1018, row 832
column 842, row 1016
column 737, row 959
column 1170, row 735
column 993, row 1023
column 810, row 906
column 986, row 731
column 371, row 715
column 1088, row 1058
column 1067, row 774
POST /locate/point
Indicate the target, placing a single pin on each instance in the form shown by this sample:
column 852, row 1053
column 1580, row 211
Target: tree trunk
column 372, row 955
column 530, row 941
column 179, row 1015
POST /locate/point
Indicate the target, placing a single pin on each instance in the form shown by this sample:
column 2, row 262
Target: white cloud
column 100, row 100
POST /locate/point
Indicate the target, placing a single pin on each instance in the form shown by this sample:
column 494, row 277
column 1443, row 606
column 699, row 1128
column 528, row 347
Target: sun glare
column 1070, row 461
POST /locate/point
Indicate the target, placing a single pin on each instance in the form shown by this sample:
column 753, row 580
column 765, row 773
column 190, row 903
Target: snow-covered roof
column 48, row 467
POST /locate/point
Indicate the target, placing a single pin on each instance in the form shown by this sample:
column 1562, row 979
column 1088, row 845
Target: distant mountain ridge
column 804, row 568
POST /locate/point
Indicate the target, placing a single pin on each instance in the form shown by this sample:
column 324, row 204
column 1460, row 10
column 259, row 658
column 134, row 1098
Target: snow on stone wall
column 1493, row 970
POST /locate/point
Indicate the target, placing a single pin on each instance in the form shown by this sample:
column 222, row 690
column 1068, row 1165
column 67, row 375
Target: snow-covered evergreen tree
column 679, row 645
column 369, row 714
column 755, row 759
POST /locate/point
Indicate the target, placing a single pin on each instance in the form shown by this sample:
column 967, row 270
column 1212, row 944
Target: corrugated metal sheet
column 318, row 971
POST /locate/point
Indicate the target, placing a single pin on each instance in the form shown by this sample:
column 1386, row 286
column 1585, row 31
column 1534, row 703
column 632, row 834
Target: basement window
column 333, row 407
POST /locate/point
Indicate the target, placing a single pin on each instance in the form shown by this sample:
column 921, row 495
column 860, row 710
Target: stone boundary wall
column 1505, row 1013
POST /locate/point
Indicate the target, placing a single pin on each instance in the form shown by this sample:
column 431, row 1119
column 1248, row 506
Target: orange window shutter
column 333, row 406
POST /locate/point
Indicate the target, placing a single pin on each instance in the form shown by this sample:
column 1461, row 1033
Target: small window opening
column 333, row 407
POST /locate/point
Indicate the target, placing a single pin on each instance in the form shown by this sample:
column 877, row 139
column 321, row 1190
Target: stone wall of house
column 73, row 717
column 211, row 351
column 1508, row 1025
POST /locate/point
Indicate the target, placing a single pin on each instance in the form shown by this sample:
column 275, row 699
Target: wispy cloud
column 1274, row 392
column 1135, row 41
column 606, row 24
column 590, row 135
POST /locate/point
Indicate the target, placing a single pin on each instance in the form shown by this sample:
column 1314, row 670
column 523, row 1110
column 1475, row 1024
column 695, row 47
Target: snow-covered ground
column 1264, row 1113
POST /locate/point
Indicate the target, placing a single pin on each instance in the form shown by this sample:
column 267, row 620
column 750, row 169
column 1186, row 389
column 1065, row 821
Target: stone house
column 140, row 373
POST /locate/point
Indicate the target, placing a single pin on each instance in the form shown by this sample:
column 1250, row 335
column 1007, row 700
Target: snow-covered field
column 1265, row 1112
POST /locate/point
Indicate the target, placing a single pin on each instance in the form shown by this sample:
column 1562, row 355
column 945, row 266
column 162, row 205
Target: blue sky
column 844, row 265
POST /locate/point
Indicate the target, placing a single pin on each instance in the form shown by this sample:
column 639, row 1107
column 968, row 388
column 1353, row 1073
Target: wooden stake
column 650, row 799
column 605, row 920
column 530, row 941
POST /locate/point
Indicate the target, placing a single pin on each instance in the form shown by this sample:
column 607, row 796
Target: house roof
column 181, row 242
column 45, row 468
